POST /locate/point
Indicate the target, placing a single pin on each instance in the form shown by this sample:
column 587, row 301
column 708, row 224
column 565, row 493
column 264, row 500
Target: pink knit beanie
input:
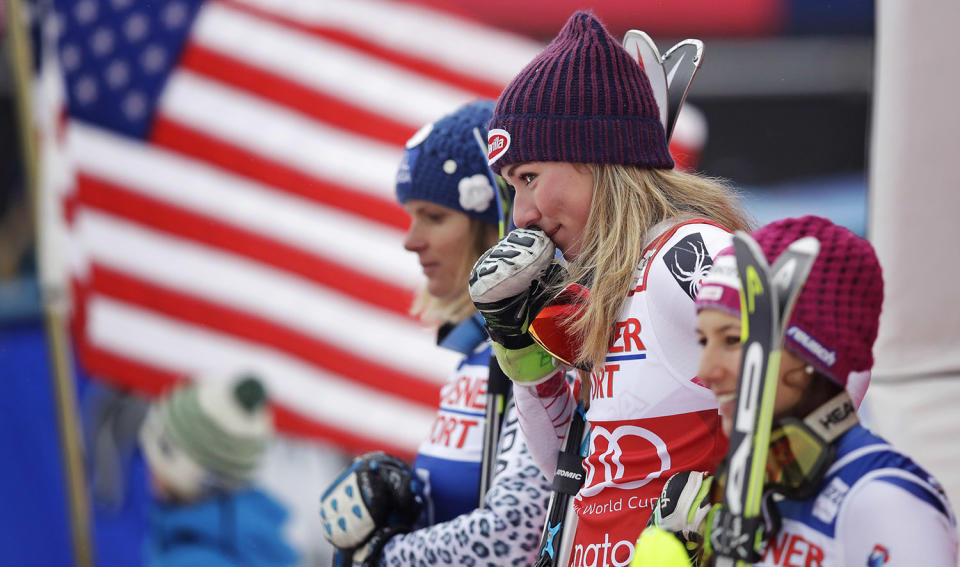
column 834, row 322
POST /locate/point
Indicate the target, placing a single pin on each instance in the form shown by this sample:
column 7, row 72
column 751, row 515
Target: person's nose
column 414, row 241
column 712, row 371
column 525, row 212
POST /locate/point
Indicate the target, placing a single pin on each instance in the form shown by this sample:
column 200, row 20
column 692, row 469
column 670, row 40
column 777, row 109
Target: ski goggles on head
column 550, row 327
column 797, row 460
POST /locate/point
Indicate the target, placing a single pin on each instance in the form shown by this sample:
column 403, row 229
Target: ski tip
column 742, row 236
column 697, row 47
column 639, row 34
column 806, row 245
column 743, row 243
column 638, row 43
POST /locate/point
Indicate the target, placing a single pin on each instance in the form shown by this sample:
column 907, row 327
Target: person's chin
column 439, row 290
column 434, row 290
column 569, row 249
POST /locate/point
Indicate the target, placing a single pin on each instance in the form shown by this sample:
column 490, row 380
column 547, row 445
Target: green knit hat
column 210, row 433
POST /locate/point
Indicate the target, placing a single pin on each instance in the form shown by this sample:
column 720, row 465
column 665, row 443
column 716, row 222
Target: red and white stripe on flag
column 253, row 226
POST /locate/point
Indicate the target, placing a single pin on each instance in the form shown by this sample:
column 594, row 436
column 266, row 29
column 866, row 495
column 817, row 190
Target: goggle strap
column 834, row 418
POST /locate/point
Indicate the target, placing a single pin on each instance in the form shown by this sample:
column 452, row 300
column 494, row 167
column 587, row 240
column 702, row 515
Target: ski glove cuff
column 527, row 366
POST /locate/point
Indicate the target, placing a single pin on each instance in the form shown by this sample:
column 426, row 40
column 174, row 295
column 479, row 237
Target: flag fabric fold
column 223, row 173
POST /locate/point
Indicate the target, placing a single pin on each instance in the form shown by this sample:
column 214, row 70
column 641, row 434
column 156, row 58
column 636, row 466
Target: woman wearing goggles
column 837, row 493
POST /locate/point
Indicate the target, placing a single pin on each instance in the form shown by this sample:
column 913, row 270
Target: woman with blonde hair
column 383, row 512
column 577, row 134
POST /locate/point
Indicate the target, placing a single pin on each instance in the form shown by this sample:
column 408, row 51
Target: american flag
column 223, row 173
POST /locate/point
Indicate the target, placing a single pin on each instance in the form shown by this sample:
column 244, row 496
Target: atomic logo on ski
column 689, row 263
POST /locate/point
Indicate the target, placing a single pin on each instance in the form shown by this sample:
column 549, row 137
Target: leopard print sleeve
column 505, row 531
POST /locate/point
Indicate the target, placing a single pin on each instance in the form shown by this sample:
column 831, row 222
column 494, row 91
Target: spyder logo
column 689, row 263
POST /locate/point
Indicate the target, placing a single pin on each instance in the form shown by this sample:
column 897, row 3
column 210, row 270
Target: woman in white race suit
column 577, row 134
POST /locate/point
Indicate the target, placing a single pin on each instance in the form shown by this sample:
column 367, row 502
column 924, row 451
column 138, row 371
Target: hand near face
column 555, row 196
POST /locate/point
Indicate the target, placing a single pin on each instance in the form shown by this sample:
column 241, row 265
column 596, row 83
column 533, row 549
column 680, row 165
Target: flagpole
column 53, row 301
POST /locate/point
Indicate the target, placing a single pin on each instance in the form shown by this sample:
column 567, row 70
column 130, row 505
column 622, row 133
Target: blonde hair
column 436, row 311
column 627, row 202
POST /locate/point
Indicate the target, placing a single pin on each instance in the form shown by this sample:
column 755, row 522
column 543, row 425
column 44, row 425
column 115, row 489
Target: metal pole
column 53, row 298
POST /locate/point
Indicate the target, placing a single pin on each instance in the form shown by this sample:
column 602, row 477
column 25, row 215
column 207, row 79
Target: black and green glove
column 509, row 285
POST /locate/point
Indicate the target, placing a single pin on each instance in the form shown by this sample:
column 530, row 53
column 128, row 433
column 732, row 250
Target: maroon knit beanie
column 834, row 322
column 584, row 99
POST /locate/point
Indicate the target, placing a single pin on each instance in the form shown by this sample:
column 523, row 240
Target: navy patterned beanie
column 445, row 163
column 584, row 99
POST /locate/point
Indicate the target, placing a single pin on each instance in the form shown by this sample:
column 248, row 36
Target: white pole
column 915, row 226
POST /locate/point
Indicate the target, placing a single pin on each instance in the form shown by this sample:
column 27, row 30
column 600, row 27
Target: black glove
column 377, row 497
column 509, row 285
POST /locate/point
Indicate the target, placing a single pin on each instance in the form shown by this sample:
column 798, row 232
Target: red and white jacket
column 649, row 415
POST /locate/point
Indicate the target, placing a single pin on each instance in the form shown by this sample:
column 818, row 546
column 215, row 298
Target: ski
column 639, row 45
column 498, row 393
column 680, row 63
column 670, row 75
column 561, row 520
column 498, row 384
column 767, row 296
